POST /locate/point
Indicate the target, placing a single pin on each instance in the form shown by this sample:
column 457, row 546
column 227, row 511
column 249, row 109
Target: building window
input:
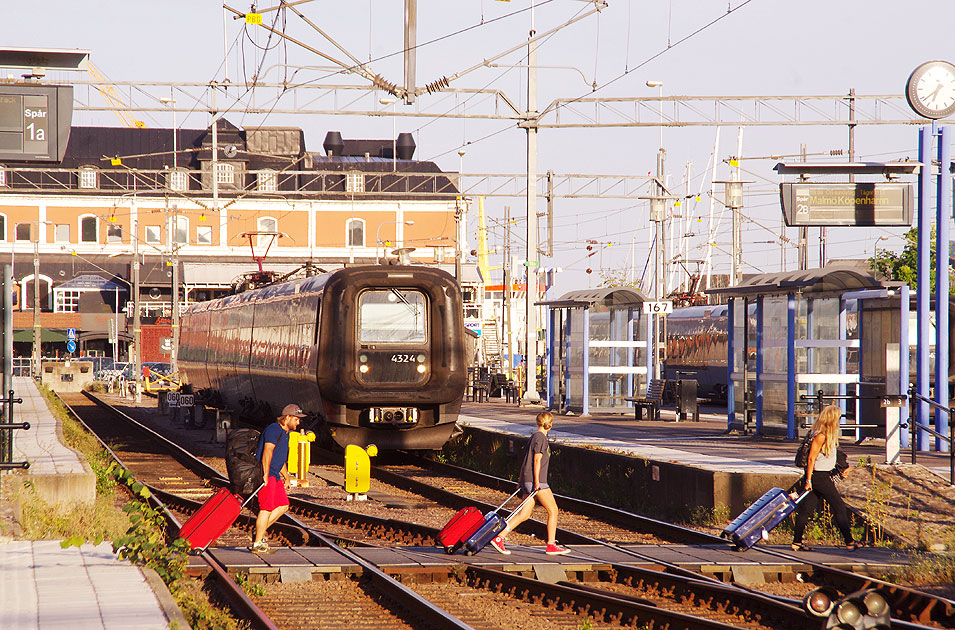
column 67, row 301
column 204, row 235
column 89, row 230
column 3, row 227
column 61, row 233
column 23, row 232
column 114, row 233
column 270, row 225
column 89, row 178
column 177, row 180
column 267, row 181
column 153, row 234
column 355, row 229
column 354, row 182
column 180, row 230
column 225, row 173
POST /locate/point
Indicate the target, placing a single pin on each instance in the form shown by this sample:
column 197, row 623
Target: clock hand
column 935, row 93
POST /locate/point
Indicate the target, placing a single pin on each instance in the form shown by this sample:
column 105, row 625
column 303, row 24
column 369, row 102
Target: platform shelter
column 597, row 350
column 837, row 329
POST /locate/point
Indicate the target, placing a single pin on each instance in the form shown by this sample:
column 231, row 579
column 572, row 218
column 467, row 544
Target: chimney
column 405, row 146
column 333, row 145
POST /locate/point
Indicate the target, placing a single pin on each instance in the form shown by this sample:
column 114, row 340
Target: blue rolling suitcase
column 755, row 523
column 493, row 525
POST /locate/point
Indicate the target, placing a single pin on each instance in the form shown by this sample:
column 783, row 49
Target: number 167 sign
column 659, row 308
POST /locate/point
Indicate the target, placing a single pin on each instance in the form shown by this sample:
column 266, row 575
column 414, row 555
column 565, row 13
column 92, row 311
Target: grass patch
column 120, row 516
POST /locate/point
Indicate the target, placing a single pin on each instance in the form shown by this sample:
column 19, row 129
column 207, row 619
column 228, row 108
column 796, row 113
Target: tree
column 904, row 265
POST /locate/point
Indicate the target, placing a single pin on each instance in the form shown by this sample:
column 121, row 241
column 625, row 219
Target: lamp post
column 659, row 84
column 168, row 100
column 733, row 199
column 378, row 235
column 394, row 130
column 37, row 341
column 875, row 246
column 115, row 297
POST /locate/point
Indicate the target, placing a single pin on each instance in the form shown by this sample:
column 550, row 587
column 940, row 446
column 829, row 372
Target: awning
column 47, row 335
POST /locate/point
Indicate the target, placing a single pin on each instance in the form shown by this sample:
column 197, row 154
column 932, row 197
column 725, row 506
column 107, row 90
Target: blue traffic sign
column 71, row 334
column 71, row 346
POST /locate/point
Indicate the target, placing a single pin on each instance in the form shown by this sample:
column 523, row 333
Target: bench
column 652, row 401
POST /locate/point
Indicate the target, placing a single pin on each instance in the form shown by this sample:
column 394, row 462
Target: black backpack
column 245, row 470
column 802, row 453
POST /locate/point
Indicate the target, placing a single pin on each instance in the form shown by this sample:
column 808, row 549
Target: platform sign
column 660, row 308
column 35, row 122
column 808, row 204
column 71, row 346
column 186, row 400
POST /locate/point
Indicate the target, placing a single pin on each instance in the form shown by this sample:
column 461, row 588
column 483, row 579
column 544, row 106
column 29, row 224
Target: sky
column 694, row 47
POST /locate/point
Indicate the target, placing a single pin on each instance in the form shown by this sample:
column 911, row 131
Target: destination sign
column 35, row 122
column 807, row 204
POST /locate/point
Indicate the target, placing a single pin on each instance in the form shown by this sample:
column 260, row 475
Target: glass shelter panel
column 775, row 318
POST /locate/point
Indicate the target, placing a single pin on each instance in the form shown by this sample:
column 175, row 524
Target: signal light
column 862, row 610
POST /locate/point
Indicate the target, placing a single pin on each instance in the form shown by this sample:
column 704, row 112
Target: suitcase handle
column 251, row 496
column 515, row 493
column 529, row 497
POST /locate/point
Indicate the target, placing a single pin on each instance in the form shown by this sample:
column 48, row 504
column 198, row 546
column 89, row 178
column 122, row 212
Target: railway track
column 674, row 589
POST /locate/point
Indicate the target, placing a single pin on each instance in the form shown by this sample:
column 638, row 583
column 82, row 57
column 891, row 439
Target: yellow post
column 299, row 456
column 358, row 471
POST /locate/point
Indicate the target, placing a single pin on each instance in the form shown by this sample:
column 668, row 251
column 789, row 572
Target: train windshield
column 391, row 316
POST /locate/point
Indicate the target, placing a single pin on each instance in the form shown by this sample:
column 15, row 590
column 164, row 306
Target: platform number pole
column 943, row 202
column 923, row 278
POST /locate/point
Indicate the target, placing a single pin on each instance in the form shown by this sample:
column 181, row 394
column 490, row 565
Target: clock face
column 930, row 90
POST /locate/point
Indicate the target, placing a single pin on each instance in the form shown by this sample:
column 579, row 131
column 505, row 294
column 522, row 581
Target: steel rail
column 908, row 604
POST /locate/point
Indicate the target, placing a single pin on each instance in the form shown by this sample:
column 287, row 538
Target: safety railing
column 7, row 429
column 914, row 399
column 818, row 401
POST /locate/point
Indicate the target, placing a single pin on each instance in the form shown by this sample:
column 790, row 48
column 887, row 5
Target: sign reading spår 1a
column 35, row 122
column 825, row 204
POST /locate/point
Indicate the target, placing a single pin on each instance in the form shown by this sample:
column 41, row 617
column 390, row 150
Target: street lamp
column 378, row 233
column 115, row 297
column 875, row 246
column 167, row 100
column 394, row 130
column 659, row 84
column 35, row 362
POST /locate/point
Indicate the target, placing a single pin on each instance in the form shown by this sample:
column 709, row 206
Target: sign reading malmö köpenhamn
column 808, row 204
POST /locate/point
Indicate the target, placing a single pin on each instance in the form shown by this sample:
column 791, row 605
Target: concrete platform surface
column 46, row 587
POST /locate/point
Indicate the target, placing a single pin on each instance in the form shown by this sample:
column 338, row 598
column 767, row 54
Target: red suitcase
column 461, row 525
column 215, row 516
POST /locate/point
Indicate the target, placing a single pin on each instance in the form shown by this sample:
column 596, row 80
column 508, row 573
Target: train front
column 391, row 363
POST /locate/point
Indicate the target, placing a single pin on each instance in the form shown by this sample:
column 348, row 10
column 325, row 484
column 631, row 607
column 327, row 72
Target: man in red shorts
column 273, row 453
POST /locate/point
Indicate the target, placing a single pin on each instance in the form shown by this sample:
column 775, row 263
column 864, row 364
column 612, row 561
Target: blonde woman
column 818, row 480
column 534, row 477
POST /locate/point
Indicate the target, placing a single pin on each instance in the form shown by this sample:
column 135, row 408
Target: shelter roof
column 838, row 277
column 90, row 282
column 606, row 296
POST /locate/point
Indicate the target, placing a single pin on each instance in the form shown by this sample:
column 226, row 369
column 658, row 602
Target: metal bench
column 651, row 402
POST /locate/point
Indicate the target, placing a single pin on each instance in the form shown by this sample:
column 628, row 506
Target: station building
column 165, row 198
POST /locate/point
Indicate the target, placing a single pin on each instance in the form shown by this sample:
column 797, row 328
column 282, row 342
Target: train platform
column 86, row 588
column 704, row 444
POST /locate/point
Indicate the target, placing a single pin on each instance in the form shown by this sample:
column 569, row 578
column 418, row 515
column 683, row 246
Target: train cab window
column 392, row 316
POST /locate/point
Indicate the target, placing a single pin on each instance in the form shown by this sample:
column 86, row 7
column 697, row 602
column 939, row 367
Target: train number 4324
column 402, row 358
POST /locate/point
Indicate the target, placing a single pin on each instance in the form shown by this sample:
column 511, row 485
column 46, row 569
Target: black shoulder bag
column 802, row 453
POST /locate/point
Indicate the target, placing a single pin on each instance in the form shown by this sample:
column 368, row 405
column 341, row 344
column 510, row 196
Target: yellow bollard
column 358, row 471
column 299, row 456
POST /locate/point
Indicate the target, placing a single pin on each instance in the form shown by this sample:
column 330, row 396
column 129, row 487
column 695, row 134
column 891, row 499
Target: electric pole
column 530, row 321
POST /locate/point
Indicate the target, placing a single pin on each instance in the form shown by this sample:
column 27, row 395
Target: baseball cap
column 292, row 410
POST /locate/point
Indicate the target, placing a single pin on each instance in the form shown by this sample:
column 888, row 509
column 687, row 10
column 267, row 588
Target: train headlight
column 363, row 358
column 363, row 368
column 421, row 368
column 421, row 358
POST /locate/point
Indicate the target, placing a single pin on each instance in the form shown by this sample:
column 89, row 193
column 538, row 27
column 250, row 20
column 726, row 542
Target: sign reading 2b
column 35, row 122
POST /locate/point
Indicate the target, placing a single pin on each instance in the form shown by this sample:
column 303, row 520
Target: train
column 696, row 347
column 373, row 354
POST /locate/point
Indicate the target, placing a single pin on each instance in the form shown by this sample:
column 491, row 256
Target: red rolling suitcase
column 461, row 525
column 215, row 516
column 492, row 525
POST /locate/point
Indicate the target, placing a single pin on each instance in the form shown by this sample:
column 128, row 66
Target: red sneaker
column 553, row 549
column 498, row 543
